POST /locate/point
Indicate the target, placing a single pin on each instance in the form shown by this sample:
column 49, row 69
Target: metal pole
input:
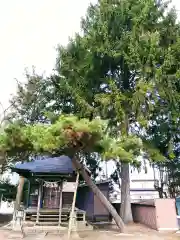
column 60, row 202
column 39, row 202
column 73, row 206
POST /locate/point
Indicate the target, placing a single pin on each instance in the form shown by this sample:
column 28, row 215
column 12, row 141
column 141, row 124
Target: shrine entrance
column 51, row 195
column 51, row 198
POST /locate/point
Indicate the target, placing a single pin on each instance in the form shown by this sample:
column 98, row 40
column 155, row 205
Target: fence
column 158, row 214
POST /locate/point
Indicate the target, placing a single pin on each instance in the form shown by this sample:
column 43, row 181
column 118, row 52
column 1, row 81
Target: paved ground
column 134, row 232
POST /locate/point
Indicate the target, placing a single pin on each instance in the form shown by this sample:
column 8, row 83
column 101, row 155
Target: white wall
column 143, row 195
column 142, row 184
column 136, row 196
column 7, row 207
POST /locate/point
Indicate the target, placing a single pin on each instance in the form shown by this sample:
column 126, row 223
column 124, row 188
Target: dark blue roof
column 62, row 164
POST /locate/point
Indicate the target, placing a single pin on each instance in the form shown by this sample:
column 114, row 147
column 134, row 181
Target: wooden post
column 73, row 206
column 39, row 202
column 60, row 202
column 99, row 194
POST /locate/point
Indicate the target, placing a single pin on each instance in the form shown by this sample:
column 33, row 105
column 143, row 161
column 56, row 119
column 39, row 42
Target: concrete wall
column 145, row 214
column 158, row 214
column 166, row 216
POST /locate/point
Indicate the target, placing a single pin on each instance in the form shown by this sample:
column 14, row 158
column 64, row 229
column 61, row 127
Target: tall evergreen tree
column 124, row 62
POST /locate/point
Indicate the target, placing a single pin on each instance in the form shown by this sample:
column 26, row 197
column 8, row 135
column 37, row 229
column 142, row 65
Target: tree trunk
column 125, row 211
column 19, row 193
column 99, row 194
column 165, row 195
column 160, row 191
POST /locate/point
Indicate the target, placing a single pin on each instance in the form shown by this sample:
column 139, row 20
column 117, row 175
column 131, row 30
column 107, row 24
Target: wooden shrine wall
column 87, row 201
column 51, row 198
column 67, row 199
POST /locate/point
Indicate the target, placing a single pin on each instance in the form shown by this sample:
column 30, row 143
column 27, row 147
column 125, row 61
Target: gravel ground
column 134, row 232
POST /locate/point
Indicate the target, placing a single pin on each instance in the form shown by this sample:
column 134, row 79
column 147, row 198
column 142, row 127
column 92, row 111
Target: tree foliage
column 68, row 135
column 120, row 68
column 164, row 133
column 8, row 190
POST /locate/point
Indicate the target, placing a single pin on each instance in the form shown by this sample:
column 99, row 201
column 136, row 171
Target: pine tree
column 69, row 136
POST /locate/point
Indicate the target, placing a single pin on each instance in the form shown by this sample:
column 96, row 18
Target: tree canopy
column 124, row 68
column 8, row 190
column 68, row 135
